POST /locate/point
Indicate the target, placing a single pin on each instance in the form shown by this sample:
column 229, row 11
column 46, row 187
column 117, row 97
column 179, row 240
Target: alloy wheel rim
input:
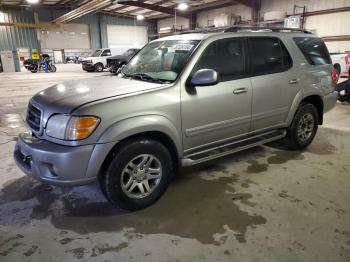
column 141, row 176
column 305, row 127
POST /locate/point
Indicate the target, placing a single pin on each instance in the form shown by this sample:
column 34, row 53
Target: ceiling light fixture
column 140, row 17
column 32, row 2
column 182, row 6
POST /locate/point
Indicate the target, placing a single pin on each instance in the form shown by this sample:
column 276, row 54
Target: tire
column 53, row 68
column 303, row 129
column 98, row 67
column 33, row 71
column 121, row 185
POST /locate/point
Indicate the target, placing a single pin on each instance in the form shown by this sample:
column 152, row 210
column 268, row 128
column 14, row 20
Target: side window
column 314, row 50
column 106, row 52
column 226, row 57
column 268, row 55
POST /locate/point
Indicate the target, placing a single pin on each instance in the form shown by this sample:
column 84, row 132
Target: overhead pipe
column 75, row 11
column 78, row 11
column 82, row 10
column 87, row 11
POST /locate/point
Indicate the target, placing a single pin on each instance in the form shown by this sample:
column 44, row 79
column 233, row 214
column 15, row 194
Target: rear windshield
column 314, row 50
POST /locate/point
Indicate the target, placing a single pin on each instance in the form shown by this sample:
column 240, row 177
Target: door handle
column 293, row 81
column 240, row 90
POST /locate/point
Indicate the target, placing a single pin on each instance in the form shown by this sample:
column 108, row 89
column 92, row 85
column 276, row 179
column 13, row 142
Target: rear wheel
column 53, row 68
column 139, row 172
column 303, row 128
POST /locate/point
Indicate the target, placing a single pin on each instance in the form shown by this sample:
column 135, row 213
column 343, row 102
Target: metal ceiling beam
column 203, row 7
column 140, row 9
column 250, row 3
column 29, row 25
column 155, row 7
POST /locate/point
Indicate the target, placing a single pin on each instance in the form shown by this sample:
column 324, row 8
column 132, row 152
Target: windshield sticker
column 183, row 47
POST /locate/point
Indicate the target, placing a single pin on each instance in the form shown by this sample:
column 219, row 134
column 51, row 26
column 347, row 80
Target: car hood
column 69, row 95
column 118, row 57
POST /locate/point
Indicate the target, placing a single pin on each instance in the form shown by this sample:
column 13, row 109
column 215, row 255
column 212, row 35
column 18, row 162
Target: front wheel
column 138, row 173
column 303, row 128
column 98, row 67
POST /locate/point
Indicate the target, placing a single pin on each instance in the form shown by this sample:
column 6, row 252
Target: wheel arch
column 154, row 127
column 314, row 99
column 154, row 135
column 317, row 101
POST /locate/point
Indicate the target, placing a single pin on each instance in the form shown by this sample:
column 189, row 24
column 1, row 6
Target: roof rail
column 204, row 30
column 227, row 29
column 271, row 29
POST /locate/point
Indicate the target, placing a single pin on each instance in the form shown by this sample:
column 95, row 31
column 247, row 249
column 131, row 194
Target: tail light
column 335, row 77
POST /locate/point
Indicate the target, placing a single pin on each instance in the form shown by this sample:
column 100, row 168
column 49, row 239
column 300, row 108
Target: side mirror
column 204, row 77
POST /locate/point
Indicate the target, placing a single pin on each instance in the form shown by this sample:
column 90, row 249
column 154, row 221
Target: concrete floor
column 264, row 204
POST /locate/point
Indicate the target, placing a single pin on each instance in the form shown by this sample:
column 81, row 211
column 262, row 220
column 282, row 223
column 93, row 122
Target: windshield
column 96, row 53
column 160, row 60
column 128, row 52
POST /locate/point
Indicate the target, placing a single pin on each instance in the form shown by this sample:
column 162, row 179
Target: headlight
column 71, row 127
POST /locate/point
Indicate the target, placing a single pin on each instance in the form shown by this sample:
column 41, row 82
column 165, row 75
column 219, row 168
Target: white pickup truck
column 98, row 60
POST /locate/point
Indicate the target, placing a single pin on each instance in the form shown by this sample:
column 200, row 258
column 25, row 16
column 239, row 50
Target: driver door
column 213, row 115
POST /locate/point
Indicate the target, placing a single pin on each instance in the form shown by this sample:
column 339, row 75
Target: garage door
column 66, row 36
column 121, row 35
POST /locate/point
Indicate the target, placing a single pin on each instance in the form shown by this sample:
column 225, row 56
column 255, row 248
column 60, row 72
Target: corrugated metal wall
column 12, row 38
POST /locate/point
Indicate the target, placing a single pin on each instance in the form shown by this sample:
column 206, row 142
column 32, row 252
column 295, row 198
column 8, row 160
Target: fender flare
column 142, row 124
column 300, row 96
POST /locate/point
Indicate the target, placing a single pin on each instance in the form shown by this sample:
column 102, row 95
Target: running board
column 233, row 147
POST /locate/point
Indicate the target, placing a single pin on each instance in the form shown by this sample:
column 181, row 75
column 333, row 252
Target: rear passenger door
column 274, row 81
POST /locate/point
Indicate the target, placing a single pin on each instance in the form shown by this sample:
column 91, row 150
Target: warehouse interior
column 264, row 203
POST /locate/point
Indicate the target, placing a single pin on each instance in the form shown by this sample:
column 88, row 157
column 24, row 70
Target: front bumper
column 88, row 67
column 330, row 100
column 53, row 163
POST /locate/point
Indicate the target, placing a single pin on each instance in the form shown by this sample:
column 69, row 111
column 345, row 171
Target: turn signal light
column 81, row 127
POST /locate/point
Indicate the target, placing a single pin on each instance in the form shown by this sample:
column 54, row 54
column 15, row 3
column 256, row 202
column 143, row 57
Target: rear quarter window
column 314, row 50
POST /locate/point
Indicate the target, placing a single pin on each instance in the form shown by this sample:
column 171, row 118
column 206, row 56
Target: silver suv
column 181, row 100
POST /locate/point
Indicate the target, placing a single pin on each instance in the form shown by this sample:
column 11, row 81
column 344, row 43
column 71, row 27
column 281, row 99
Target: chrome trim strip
column 217, row 125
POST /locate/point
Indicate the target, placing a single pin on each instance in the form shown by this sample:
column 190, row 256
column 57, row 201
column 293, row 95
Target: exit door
column 7, row 61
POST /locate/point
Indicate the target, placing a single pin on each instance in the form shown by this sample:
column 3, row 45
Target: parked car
column 72, row 59
column 181, row 100
column 116, row 62
column 98, row 60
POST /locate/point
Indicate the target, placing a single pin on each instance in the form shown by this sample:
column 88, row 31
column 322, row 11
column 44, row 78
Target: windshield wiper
column 145, row 77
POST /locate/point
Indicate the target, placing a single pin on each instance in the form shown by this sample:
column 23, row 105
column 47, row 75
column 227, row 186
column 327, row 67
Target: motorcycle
column 40, row 66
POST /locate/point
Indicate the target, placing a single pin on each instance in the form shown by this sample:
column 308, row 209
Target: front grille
column 33, row 117
column 111, row 62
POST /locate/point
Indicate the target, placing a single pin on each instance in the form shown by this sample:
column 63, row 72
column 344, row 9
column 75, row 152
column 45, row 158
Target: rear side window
column 268, row 55
column 226, row 57
column 106, row 52
column 314, row 50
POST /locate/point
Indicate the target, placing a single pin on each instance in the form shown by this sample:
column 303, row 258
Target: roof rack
column 231, row 29
column 204, row 30
column 264, row 28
